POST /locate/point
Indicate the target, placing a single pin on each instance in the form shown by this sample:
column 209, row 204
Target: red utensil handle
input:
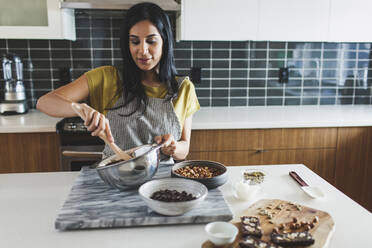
column 297, row 178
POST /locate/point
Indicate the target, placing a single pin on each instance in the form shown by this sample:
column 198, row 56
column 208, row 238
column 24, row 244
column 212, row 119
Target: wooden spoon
column 119, row 153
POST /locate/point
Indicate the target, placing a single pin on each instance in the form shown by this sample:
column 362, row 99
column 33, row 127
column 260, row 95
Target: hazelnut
column 294, row 220
column 316, row 219
column 311, row 225
column 275, row 230
column 303, row 223
column 292, row 226
column 307, row 227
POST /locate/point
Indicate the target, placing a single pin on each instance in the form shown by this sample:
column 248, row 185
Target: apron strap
column 179, row 80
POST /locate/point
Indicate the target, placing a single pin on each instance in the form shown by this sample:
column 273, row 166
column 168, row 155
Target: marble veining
column 93, row 204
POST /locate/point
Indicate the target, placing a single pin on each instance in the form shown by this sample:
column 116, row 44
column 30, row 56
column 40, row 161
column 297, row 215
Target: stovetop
column 74, row 127
column 71, row 125
column 72, row 132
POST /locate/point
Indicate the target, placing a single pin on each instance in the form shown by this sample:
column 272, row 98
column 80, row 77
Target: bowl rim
column 102, row 166
column 201, row 197
column 209, row 161
column 254, row 170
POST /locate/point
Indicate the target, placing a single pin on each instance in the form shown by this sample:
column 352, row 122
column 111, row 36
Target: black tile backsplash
column 234, row 73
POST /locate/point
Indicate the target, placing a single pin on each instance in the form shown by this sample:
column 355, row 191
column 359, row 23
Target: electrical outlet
column 196, row 75
column 283, row 75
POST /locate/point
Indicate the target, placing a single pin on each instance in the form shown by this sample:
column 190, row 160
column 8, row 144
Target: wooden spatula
column 119, row 153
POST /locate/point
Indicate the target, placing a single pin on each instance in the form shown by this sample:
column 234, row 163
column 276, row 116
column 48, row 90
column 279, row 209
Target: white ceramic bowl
column 221, row 233
column 173, row 208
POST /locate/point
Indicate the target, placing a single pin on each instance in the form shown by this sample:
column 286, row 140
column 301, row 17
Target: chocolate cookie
column 250, row 225
column 292, row 239
column 253, row 242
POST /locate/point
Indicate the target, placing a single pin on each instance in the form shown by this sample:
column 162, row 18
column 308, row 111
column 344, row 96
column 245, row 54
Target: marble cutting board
column 93, row 204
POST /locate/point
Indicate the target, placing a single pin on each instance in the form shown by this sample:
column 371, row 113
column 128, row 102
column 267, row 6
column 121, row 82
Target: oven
column 77, row 147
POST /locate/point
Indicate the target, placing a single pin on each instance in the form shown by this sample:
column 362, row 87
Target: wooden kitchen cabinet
column 315, row 147
column 354, row 164
column 29, row 152
column 230, row 147
column 321, row 161
column 226, row 140
column 342, row 156
column 229, row 158
column 300, row 138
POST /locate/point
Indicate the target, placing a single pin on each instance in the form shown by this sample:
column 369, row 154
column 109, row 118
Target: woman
column 145, row 102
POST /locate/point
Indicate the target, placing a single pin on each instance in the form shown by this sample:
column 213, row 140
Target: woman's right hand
column 95, row 122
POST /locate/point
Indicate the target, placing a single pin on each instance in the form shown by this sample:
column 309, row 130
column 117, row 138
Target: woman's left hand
column 169, row 144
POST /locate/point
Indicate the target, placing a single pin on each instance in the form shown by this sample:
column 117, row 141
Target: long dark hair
column 132, row 88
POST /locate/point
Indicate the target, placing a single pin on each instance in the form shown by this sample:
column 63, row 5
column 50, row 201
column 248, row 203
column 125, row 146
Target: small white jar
column 244, row 191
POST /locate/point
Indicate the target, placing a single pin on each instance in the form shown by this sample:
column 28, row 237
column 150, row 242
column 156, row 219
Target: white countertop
column 282, row 117
column 228, row 118
column 30, row 203
column 32, row 122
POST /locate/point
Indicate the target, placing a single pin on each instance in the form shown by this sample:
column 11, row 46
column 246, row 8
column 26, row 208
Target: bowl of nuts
column 211, row 174
column 172, row 196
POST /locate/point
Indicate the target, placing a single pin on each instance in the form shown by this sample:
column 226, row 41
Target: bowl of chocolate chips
column 172, row 196
column 211, row 174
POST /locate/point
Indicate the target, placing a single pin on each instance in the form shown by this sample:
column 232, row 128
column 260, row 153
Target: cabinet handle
column 261, row 150
column 75, row 154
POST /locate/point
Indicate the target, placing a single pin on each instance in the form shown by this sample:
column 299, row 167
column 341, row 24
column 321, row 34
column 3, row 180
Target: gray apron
column 139, row 129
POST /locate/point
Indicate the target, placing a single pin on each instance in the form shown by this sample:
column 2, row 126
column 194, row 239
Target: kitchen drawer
column 226, row 140
column 299, row 138
column 258, row 139
column 229, row 158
